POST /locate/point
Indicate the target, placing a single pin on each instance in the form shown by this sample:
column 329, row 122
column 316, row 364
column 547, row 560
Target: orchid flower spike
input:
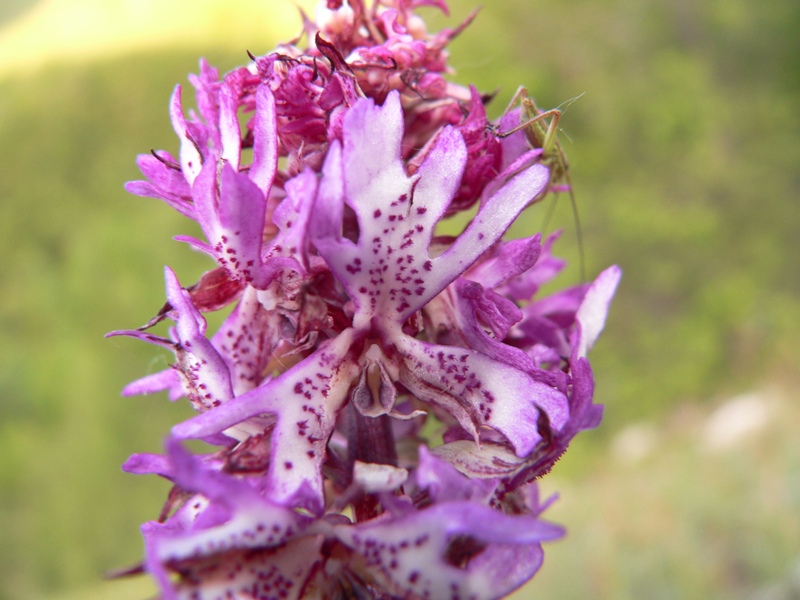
column 381, row 398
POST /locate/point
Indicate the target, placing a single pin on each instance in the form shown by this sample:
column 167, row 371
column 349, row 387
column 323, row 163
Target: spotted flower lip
column 380, row 398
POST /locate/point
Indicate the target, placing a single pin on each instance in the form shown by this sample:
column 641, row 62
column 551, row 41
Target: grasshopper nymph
column 541, row 131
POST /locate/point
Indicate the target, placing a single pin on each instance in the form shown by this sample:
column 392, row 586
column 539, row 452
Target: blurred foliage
column 684, row 153
column 682, row 520
column 12, row 8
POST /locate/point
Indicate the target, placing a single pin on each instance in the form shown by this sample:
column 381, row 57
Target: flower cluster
column 382, row 397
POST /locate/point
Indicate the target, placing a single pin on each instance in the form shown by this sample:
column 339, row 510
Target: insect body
column 541, row 131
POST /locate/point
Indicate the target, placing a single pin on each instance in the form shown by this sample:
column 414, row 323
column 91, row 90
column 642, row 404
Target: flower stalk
column 382, row 398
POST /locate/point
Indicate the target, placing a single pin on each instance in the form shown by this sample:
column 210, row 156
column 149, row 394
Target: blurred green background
column 685, row 155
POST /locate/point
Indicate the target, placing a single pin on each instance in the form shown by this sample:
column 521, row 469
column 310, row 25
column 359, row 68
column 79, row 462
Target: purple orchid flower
column 357, row 330
column 389, row 274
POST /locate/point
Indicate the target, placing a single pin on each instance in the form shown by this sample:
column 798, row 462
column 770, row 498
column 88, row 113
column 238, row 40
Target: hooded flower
column 358, row 330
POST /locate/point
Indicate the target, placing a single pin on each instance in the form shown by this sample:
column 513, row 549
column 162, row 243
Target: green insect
column 541, row 131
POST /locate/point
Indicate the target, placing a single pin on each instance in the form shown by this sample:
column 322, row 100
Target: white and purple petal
column 525, row 285
column 413, row 554
column 231, row 210
column 225, row 538
column 495, row 460
column 166, row 380
column 246, row 341
column 593, row 310
column 505, row 261
column 389, row 272
column 479, row 391
column 163, row 182
column 205, row 375
column 191, row 160
column 305, row 401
